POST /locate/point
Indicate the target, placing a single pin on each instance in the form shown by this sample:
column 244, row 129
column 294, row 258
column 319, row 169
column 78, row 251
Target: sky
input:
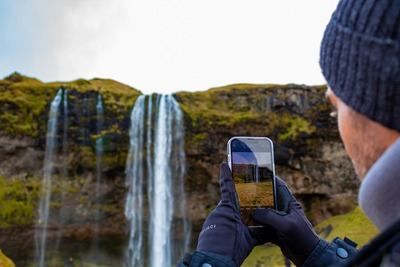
column 165, row 45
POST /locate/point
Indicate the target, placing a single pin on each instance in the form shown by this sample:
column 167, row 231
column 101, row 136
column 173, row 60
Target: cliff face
column 24, row 108
column 308, row 151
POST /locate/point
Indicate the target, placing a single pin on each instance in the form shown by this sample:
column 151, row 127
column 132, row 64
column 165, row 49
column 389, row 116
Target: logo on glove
column 211, row 226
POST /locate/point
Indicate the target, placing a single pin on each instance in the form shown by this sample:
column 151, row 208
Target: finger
column 226, row 182
column 269, row 217
column 284, row 196
column 264, row 235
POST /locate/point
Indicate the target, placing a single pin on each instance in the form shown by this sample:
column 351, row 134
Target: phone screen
column 253, row 172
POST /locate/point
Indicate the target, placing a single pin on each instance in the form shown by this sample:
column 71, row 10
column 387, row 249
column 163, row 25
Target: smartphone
column 251, row 160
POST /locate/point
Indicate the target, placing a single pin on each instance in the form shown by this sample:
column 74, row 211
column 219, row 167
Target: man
column 360, row 59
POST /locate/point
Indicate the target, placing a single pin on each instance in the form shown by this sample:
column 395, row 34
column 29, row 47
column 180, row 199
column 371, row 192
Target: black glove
column 223, row 232
column 294, row 234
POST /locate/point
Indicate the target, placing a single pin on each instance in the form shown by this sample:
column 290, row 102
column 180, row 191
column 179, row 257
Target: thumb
column 269, row 217
column 228, row 192
column 284, row 195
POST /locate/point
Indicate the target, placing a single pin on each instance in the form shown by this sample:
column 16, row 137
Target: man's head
column 360, row 59
column 364, row 139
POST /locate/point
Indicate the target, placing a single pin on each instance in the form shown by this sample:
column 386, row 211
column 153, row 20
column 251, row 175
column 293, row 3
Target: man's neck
column 379, row 194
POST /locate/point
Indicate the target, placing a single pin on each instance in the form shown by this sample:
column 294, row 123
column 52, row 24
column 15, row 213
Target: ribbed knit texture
column 360, row 58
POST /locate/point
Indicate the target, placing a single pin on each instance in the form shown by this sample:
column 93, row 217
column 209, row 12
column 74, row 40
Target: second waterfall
column 159, row 232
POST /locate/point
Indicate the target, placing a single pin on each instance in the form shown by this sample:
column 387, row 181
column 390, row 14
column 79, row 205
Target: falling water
column 134, row 174
column 163, row 176
column 99, row 158
column 161, row 204
column 63, row 209
column 149, row 158
column 51, row 139
column 65, row 131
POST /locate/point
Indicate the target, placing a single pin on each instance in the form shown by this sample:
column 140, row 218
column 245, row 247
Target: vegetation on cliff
column 18, row 199
column 289, row 114
column 275, row 106
column 24, row 100
column 354, row 225
column 5, row 261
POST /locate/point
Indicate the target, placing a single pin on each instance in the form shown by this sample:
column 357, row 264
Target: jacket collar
column 379, row 194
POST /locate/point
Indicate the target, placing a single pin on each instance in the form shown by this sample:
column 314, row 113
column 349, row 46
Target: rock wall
column 24, row 106
column 308, row 150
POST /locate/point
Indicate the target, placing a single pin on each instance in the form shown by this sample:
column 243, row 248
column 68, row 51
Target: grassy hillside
column 4, row 261
column 23, row 100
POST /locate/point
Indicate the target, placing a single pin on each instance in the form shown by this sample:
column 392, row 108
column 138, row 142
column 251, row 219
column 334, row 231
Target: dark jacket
column 383, row 251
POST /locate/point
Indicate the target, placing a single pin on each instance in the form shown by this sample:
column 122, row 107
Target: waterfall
column 161, row 204
column 134, row 175
column 65, row 132
column 99, row 158
column 44, row 203
column 62, row 214
column 161, row 169
column 149, row 159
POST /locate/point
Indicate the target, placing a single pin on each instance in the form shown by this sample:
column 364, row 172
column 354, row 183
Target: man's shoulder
column 383, row 250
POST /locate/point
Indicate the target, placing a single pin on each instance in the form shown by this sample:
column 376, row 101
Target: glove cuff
column 337, row 253
column 201, row 258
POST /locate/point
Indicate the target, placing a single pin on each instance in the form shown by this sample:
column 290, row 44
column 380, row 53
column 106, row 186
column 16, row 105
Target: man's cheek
column 345, row 131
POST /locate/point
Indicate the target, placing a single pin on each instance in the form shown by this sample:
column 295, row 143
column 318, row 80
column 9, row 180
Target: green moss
column 354, row 225
column 268, row 255
column 292, row 126
column 114, row 160
column 21, row 107
column 5, row 261
column 24, row 101
column 237, row 87
column 238, row 104
column 109, row 208
column 18, row 200
column 57, row 260
column 87, row 157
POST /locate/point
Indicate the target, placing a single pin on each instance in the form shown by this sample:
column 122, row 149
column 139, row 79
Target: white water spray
column 134, row 174
column 165, row 165
column 44, row 209
column 99, row 158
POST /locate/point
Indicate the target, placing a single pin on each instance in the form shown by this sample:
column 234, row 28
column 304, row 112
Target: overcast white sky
column 165, row 45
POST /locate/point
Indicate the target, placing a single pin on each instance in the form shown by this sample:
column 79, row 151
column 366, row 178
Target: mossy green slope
column 238, row 103
column 23, row 100
column 18, row 198
column 5, row 261
column 287, row 113
column 354, row 225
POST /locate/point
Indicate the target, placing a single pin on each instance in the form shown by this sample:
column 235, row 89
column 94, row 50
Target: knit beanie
column 360, row 58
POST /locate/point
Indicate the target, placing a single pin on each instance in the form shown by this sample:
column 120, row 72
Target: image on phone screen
column 253, row 172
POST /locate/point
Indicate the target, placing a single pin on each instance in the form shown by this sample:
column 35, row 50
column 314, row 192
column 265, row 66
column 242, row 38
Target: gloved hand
column 223, row 231
column 294, row 233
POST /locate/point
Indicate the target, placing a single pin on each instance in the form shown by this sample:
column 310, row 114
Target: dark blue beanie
column 360, row 58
